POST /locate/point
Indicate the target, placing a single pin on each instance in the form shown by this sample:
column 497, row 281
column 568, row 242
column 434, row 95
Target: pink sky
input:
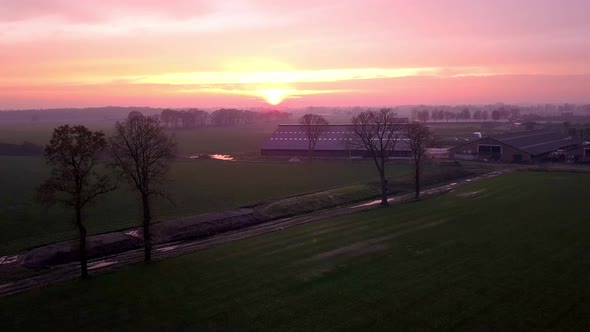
column 180, row 53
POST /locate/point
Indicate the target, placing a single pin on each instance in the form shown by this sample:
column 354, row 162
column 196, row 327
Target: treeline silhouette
column 581, row 131
column 24, row 149
column 78, row 115
column 466, row 114
column 225, row 117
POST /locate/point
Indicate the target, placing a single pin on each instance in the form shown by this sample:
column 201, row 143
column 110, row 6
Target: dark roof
column 537, row 142
column 534, row 142
column 293, row 137
column 583, row 145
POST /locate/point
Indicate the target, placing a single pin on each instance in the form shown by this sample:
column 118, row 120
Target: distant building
column 291, row 141
column 437, row 153
column 525, row 146
column 578, row 154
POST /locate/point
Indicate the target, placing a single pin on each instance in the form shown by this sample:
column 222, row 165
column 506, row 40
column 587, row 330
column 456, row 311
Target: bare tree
column 142, row 152
column 314, row 126
column 377, row 132
column 134, row 114
column 74, row 152
column 419, row 138
column 423, row 115
column 168, row 117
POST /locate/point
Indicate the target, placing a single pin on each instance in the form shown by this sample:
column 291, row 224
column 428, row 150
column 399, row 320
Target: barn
column 528, row 146
column 579, row 154
column 292, row 141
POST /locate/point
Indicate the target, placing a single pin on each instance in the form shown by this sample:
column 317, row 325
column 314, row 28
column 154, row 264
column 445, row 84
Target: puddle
column 224, row 157
column 135, row 233
column 5, row 260
column 165, row 249
column 100, row 264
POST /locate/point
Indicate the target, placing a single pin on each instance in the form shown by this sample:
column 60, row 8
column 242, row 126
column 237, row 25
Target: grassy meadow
column 196, row 186
column 509, row 253
column 243, row 140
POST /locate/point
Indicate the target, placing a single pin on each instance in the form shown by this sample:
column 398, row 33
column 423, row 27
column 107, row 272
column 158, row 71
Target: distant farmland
column 196, row 186
column 246, row 139
column 510, row 253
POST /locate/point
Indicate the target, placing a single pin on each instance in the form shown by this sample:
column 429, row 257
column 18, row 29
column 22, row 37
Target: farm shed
column 525, row 146
column 579, row 154
column 292, row 141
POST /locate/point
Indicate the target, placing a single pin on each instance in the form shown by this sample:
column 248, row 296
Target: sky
column 265, row 53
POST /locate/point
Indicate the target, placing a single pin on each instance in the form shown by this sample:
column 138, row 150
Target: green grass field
column 510, row 253
column 196, row 186
column 242, row 140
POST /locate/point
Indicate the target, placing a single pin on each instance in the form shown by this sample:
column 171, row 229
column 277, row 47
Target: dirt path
column 70, row 271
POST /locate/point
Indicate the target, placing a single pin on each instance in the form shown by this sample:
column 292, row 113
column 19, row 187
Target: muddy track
column 70, row 271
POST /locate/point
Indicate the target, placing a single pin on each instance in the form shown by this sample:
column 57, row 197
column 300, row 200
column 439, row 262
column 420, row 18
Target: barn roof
column 582, row 145
column 535, row 142
column 293, row 137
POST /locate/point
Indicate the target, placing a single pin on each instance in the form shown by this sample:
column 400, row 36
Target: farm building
column 580, row 153
column 525, row 146
column 292, row 141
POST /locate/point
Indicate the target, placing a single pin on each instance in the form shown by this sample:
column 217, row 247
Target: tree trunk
column 147, row 243
column 384, row 201
column 82, row 231
column 417, row 179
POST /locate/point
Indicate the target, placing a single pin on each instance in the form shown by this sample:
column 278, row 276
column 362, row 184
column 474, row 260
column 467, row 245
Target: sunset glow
column 181, row 53
column 275, row 96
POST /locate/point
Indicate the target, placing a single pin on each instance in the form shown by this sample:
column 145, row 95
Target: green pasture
column 242, row 141
column 505, row 254
column 225, row 140
column 196, row 186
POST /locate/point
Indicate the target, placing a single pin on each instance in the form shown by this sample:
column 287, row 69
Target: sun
column 275, row 96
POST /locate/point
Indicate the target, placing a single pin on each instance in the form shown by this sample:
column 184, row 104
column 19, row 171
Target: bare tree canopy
column 74, row 152
column 377, row 132
column 314, row 126
column 419, row 138
column 134, row 114
column 142, row 152
column 224, row 117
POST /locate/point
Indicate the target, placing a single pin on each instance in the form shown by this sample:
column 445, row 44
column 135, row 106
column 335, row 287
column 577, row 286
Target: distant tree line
column 225, row 117
column 24, row 149
column 501, row 113
column 64, row 115
column 581, row 131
